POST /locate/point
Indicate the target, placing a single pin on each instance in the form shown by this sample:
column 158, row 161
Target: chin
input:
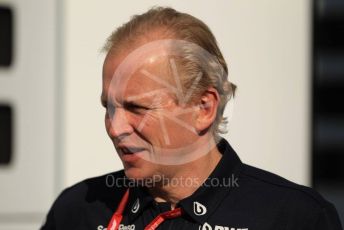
column 134, row 173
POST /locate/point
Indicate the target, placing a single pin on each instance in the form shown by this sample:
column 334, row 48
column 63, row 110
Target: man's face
column 149, row 129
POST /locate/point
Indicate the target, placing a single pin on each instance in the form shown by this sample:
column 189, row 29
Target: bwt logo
column 207, row 226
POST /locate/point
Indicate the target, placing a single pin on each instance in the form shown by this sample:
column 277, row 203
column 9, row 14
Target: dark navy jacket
column 235, row 197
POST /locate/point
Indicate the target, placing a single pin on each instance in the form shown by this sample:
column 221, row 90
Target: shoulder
column 92, row 193
column 293, row 202
column 97, row 188
column 277, row 186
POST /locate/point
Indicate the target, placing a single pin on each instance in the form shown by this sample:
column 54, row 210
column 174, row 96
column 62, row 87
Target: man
column 165, row 88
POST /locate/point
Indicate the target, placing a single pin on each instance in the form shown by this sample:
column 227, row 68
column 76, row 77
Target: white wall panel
column 266, row 44
column 28, row 185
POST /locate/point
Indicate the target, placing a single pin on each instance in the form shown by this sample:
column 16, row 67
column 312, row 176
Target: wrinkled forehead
column 143, row 70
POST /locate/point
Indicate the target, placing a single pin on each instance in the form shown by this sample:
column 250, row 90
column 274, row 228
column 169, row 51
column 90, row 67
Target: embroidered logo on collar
column 199, row 209
column 136, row 206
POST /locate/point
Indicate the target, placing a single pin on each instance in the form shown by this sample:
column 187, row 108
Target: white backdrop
column 29, row 85
column 55, row 87
column 266, row 44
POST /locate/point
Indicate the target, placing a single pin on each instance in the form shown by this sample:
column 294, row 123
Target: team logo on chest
column 199, row 209
column 136, row 206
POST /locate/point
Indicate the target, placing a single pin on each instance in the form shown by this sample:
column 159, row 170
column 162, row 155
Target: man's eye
column 136, row 108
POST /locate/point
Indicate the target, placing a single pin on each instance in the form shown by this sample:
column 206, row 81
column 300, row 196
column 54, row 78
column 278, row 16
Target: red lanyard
column 162, row 217
column 117, row 216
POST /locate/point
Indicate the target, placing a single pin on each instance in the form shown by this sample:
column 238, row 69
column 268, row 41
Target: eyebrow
column 127, row 103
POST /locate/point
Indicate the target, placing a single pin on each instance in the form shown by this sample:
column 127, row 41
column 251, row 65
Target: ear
column 207, row 109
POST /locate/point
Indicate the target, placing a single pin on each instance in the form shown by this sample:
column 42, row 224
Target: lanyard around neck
column 118, row 215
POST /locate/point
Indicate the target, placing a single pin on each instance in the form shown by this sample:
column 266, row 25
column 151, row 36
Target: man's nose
column 119, row 124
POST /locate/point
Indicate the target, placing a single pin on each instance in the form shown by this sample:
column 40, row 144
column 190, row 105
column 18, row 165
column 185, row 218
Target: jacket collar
column 205, row 200
column 202, row 203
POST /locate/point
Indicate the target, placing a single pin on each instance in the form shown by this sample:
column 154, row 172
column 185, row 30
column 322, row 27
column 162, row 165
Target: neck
column 183, row 180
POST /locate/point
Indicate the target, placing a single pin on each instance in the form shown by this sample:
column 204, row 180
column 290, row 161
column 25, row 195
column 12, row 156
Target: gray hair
column 167, row 23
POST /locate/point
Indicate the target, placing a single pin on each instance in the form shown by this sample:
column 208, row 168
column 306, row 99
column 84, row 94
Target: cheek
column 182, row 129
column 148, row 126
column 145, row 121
column 169, row 132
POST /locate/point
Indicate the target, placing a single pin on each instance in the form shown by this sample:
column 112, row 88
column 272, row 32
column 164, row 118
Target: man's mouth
column 129, row 150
